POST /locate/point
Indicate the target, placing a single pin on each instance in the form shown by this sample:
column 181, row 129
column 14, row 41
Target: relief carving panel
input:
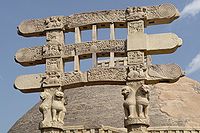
column 26, row 56
column 135, row 57
column 107, row 74
column 162, row 72
column 71, row 78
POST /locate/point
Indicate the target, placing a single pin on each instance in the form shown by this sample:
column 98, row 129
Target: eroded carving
column 136, row 101
column 29, row 55
column 136, row 26
column 53, row 72
column 45, row 108
column 58, row 108
column 168, row 72
column 52, row 108
column 135, row 57
column 142, row 101
column 53, row 64
column 129, row 102
column 107, row 74
column 137, row 72
column 136, row 13
column 161, row 14
column 54, row 22
column 51, row 78
column 71, row 78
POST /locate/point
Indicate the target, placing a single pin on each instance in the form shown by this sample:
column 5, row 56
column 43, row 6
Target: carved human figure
column 58, row 108
column 142, row 100
column 129, row 102
column 52, row 77
column 52, row 49
column 45, row 107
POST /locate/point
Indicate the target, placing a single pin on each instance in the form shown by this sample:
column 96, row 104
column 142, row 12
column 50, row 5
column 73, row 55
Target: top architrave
column 152, row 15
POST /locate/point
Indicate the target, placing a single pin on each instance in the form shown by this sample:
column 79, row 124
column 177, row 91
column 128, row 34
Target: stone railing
column 108, row 129
column 121, row 61
column 171, row 129
column 103, row 129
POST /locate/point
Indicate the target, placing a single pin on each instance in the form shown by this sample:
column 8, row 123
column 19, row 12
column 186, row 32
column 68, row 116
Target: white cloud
column 194, row 65
column 191, row 9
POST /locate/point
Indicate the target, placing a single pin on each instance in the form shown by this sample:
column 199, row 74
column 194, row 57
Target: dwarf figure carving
column 45, row 108
column 142, row 100
column 129, row 102
column 58, row 108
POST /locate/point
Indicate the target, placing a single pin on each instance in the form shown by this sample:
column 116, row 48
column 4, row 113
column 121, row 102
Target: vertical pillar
column 94, row 38
column 53, row 104
column 112, row 37
column 136, row 120
column 76, row 57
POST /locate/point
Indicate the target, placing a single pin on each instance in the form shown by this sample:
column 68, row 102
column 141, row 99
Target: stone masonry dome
column 175, row 105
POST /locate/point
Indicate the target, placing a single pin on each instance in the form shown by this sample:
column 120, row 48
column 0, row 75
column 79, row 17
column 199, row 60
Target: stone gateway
column 128, row 71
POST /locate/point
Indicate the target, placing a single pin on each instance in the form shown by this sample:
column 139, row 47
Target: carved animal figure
column 58, row 108
column 45, row 107
column 142, row 100
column 129, row 102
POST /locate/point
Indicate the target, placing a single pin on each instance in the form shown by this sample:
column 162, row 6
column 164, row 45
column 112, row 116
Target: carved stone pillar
column 136, row 101
column 136, row 93
column 52, row 106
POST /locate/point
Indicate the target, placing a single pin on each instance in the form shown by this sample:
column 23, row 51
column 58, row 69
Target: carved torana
column 128, row 63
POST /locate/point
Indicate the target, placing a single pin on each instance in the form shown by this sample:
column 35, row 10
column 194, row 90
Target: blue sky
column 14, row 103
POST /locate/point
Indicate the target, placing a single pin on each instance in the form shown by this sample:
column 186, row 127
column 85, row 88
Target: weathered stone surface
column 107, row 74
column 152, row 15
column 175, row 104
column 164, row 72
column 36, row 55
column 98, row 76
column 29, row 83
column 154, row 44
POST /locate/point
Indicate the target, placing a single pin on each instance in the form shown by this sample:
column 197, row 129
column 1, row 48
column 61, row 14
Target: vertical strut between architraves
column 112, row 37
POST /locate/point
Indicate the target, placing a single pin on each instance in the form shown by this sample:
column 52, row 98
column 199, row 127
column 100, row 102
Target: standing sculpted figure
column 45, row 108
column 129, row 102
column 142, row 100
column 58, row 108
